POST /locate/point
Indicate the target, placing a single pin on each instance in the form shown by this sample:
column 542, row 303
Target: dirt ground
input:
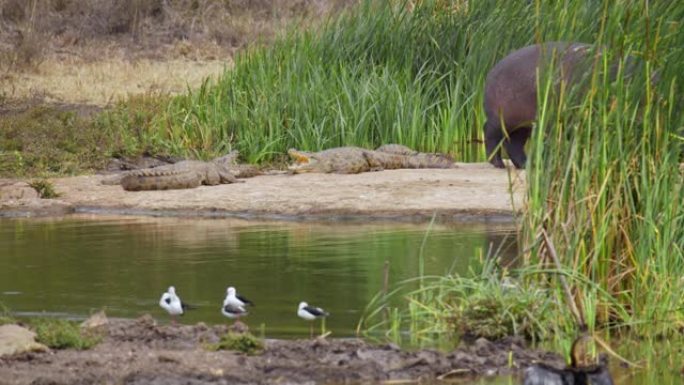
column 470, row 191
column 141, row 352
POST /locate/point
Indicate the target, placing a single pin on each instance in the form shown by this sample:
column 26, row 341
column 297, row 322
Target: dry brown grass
column 61, row 59
column 97, row 51
column 104, row 82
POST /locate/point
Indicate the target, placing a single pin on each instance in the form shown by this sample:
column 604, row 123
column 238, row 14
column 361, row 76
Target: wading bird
column 233, row 311
column 172, row 304
column 311, row 313
column 232, row 298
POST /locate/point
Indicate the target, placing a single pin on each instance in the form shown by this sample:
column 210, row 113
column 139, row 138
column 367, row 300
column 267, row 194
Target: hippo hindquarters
column 510, row 99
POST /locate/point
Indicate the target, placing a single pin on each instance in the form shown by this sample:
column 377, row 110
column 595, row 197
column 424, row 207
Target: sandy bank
column 468, row 192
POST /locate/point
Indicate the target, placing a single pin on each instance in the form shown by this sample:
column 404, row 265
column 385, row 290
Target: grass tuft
column 6, row 316
column 240, row 342
column 447, row 309
column 45, row 188
column 62, row 334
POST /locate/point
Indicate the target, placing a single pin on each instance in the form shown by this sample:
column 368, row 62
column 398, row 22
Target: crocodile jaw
column 303, row 162
column 301, row 168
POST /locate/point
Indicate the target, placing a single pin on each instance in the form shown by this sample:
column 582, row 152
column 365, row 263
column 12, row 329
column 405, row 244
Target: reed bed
column 604, row 180
column 382, row 72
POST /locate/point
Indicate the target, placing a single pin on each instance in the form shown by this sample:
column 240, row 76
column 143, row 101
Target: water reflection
column 75, row 265
column 659, row 372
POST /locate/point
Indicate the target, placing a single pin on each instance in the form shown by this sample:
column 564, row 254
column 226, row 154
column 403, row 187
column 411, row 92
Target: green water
column 73, row 266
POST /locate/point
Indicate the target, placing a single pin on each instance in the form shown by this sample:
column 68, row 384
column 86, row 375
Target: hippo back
column 511, row 86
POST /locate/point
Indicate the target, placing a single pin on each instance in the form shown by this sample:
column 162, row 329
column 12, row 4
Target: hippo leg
column 515, row 145
column 493, row 137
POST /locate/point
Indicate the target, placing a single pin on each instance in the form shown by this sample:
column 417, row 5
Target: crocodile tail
column 166, row 180
column 425, row 160
column 398, row 149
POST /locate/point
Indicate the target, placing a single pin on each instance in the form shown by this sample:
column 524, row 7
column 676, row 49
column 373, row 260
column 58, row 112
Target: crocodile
column 185, row 174
column 354, row 160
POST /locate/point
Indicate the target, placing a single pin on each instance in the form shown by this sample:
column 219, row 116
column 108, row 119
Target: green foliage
column 5, row 315
column 377, row 74
column 128, row 124
column 240, row 342
column 494, row 314
column 604, row 179
column 48, row 141
column 44, row 141
column 62, row 334
column 447, row 309
column 45, row 188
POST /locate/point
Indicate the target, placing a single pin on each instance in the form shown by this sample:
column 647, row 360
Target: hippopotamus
column 510, row 98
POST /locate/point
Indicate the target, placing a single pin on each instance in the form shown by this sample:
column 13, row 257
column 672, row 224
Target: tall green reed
column 379, row 73
column 604, row 177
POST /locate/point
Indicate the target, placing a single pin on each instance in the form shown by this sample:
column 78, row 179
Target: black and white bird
column 232, row 298
column 172, row 303
column 233, row 311
column 311, row 313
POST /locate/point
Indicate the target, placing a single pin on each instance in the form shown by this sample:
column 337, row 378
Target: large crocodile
column 353, row 160
column 185, row 174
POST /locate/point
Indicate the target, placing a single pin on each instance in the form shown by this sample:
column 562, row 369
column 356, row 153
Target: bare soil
column 471, row 191
column 141, row 352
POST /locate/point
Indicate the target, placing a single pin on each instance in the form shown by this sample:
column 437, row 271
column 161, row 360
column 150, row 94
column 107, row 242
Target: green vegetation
column 62, row 334
column 452, row 307
column 377, row 74
column 610, row 198
column 45, row 188
column 47, row 141
column 5, row 315
column 605, row 187
column 240, row 342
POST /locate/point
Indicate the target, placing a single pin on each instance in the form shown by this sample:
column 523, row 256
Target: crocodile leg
column 227, row 177
column 374, row 162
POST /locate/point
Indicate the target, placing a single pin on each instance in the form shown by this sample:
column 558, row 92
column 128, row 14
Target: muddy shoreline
column 142, row 352
column 471, row 192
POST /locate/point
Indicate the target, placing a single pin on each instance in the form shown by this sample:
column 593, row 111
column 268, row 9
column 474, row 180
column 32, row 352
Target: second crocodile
column 185, row 174
column 354, row 160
